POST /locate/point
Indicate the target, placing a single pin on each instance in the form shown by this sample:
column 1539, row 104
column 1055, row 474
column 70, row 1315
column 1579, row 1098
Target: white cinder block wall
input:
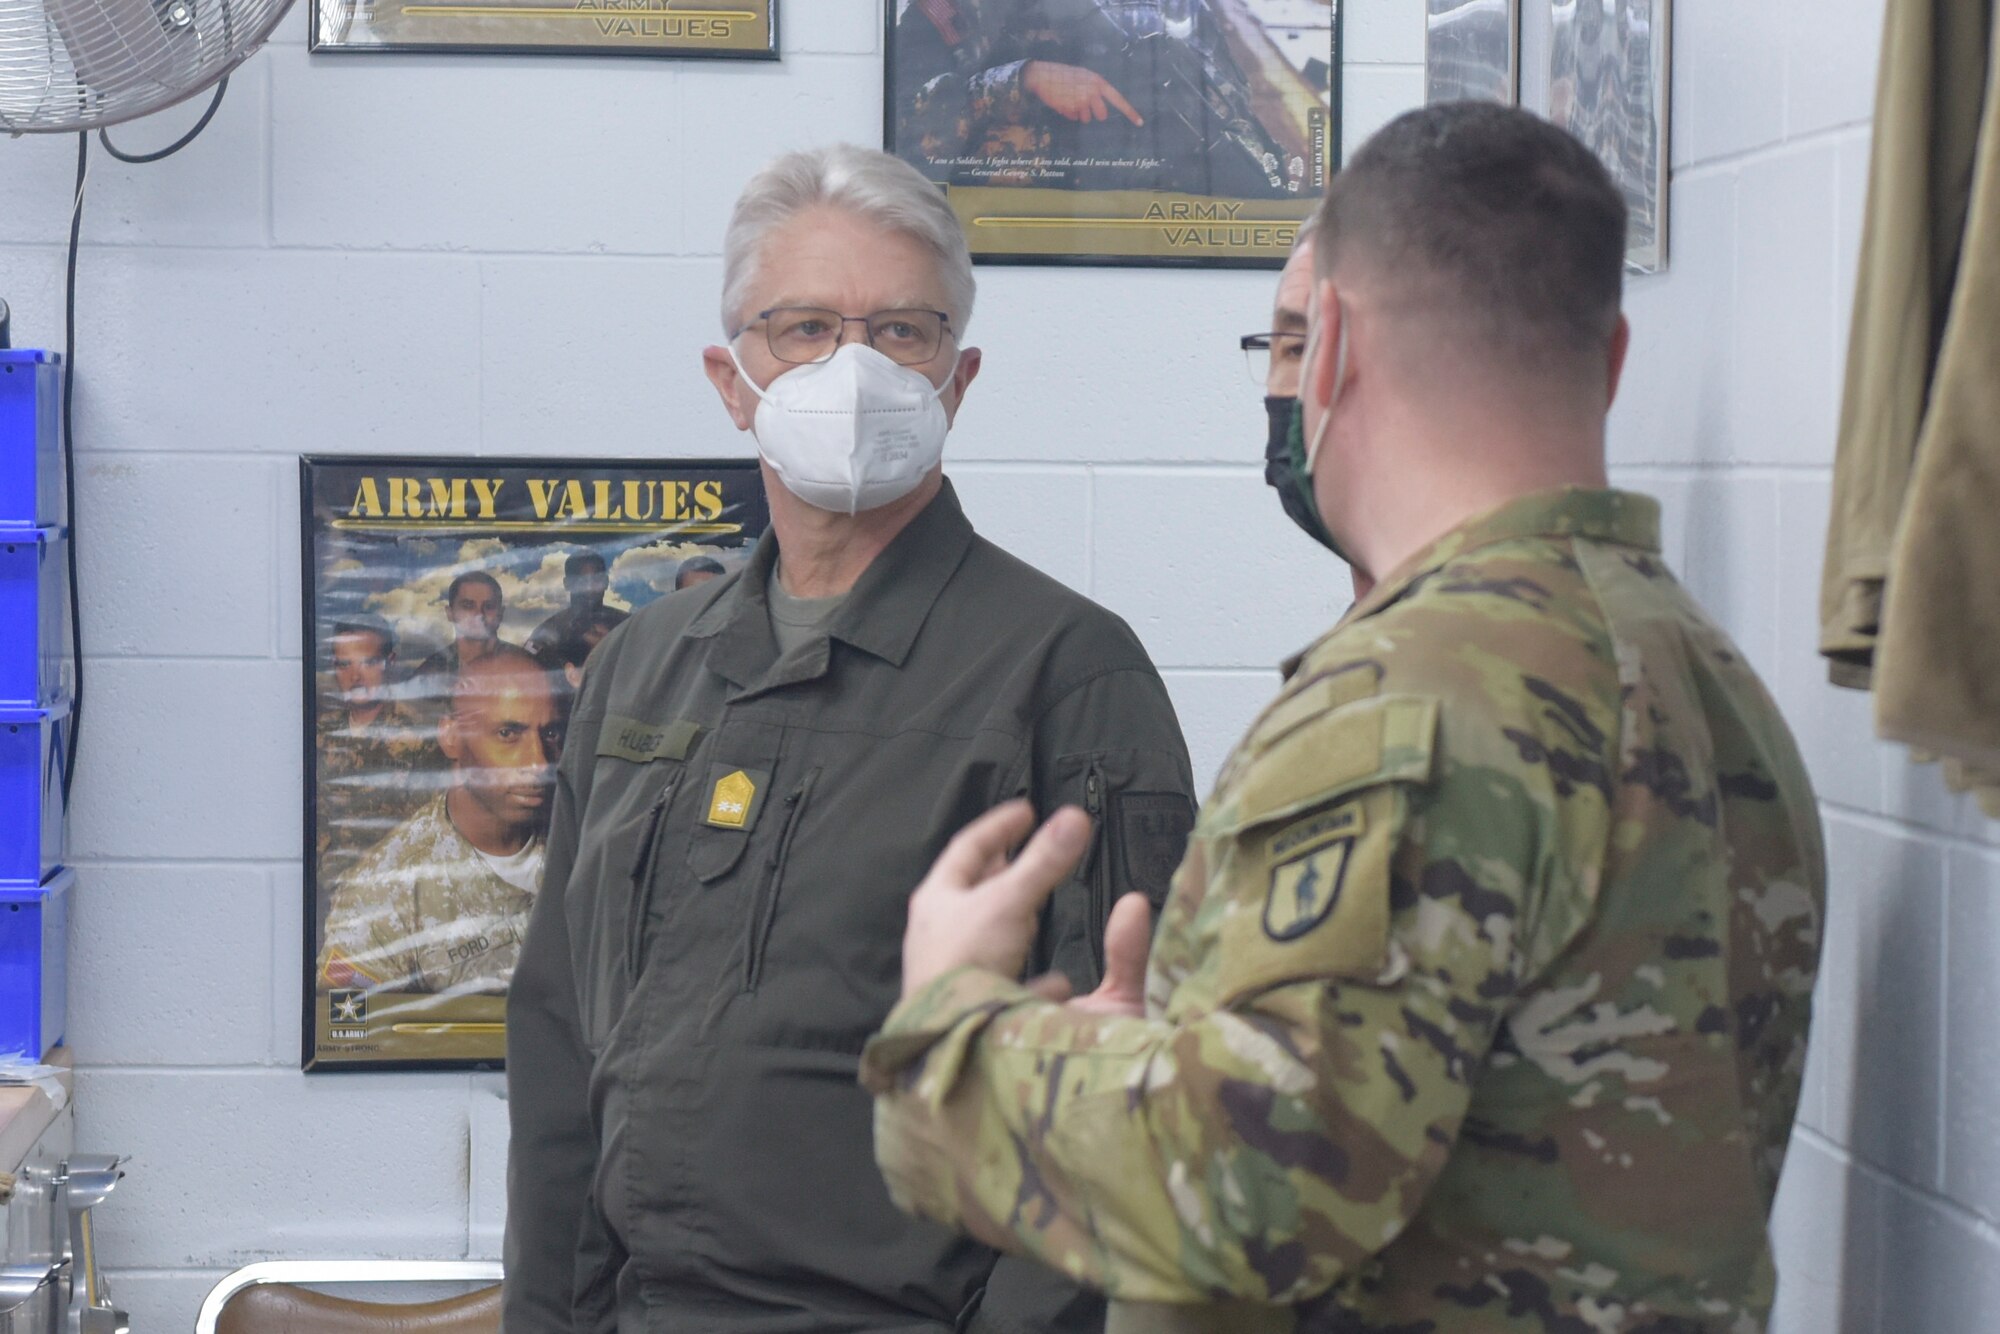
column 503, row 256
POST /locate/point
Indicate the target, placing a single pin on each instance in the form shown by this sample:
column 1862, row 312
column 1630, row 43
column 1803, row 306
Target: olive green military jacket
column 733, row 843
column 1479, row 1003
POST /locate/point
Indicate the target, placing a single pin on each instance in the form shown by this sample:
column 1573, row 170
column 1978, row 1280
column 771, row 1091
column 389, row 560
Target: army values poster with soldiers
column 1157, row 132
column 450, row 608
column 683, row 28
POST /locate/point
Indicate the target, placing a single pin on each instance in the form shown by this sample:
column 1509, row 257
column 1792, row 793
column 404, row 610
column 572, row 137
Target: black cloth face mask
column 1285, row 470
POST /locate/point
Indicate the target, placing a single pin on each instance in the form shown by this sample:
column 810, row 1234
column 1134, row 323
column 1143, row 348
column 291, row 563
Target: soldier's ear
column 448, row 736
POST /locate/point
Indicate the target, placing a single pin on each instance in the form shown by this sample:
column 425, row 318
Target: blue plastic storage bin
column 34, row 965
column 30, row 421
column 33, row 818
column 35, row 664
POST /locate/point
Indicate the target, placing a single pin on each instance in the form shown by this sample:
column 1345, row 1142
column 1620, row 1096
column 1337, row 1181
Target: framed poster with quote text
column 1149, row 132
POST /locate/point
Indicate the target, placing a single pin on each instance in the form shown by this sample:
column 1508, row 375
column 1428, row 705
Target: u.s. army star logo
column 1308, row 871
column 730, row 806
column 347, row 1013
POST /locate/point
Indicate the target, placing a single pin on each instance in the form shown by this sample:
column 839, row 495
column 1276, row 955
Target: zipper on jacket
column 1094, row 867
column 764, row 910
column 643, row 867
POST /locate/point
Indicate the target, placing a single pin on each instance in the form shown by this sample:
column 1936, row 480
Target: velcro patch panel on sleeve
column 1385, row 739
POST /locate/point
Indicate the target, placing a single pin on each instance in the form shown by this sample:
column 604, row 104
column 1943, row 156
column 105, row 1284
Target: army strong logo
column 347, row 1009
column 1308, row 872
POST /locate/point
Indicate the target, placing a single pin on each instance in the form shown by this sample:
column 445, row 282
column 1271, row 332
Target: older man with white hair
column 754, row 765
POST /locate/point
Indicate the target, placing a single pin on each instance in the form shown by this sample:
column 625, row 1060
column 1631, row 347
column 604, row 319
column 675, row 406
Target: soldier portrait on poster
column 1156, row 132
column 451, row 608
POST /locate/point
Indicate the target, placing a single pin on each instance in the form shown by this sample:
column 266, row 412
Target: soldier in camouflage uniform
column 441, row 903
column 373, row 756
column 1005, row 80
column 474, row 605
column 586, row 579
column 1480, row 1000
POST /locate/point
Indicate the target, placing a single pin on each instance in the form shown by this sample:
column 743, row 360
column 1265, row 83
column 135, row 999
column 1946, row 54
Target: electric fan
column 69, row 65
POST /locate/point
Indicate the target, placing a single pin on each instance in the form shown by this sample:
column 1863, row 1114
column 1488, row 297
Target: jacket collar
column 881, row 615
column 1620, row 518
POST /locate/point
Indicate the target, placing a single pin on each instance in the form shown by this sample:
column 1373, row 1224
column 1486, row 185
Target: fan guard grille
column 68, row 65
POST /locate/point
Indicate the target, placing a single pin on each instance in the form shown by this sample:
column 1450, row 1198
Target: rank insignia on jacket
column 1308, row 872
column 730, row 804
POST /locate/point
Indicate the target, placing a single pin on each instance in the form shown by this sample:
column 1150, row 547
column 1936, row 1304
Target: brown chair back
column 282, row 1308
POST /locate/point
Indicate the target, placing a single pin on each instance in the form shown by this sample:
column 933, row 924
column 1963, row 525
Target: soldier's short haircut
column 1308, row 233
column 579, row 561
column 385, row 636
column 472, row 577
column 1494, row 214
column 499, row 656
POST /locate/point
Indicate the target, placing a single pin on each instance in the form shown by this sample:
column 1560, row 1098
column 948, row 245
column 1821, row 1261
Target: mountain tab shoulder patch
column 1309, row 864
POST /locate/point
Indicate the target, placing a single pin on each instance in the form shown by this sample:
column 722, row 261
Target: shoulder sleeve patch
column 1305, row 854
column 1308, row 863
column 1311, row 897
column 1151, row 834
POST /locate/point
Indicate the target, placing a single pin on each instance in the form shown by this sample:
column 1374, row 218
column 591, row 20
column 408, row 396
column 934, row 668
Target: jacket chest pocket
column 764, row 902
column 733, row 801
column 607, row 928
column 645, row 873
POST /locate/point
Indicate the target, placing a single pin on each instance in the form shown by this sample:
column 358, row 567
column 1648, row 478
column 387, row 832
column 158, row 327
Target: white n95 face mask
column 851, row 433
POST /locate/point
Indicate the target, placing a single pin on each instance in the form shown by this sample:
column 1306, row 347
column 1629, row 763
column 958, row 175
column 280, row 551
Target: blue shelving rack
column 37, row 678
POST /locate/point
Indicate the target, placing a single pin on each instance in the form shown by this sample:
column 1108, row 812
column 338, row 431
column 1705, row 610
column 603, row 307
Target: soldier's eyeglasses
column 803, row 335
column 1260, row 348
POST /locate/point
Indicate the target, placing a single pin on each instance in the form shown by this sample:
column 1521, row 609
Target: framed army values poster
column 450, row 608
column 1156, row 132
column 744, row 29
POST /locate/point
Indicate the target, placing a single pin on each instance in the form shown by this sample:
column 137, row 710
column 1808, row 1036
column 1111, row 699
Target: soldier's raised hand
column 1128, row 939
column 977, row 907
column 1076, row 93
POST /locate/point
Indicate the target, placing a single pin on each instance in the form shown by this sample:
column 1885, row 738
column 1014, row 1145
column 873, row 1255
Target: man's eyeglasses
column 1260, row 348
column 803, row 335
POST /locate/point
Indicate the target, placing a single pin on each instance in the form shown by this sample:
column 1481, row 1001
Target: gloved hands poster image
column 1157, row 132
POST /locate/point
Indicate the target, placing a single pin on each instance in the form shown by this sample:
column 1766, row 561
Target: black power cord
column 214, row 104
column 69, row 462
column 69, row 397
